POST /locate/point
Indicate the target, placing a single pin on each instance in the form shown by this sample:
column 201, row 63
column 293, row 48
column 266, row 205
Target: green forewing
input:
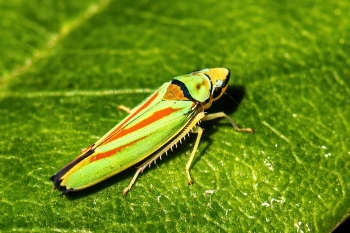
column 134, row 146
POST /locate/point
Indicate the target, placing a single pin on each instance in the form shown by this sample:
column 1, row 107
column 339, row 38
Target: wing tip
column 57, row 183
column 56, row 179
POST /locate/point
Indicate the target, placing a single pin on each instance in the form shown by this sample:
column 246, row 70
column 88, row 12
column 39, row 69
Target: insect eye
column 217, row 92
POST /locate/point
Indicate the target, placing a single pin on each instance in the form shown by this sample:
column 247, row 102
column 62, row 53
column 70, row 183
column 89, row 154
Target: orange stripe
column 145, row 105
column 153, row 118
column 112, row 152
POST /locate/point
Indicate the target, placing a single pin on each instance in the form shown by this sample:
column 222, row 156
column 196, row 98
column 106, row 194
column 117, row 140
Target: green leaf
column 66, row 65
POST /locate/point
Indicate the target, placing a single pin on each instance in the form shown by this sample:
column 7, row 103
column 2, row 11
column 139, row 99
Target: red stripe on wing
column 114, row 151
column 145, row 105
column 125, row 121
column 153, row 118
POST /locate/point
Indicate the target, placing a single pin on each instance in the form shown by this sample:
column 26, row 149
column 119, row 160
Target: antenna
column 232, row 98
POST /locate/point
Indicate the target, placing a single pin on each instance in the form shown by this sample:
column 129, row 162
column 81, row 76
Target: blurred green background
column 65, row 66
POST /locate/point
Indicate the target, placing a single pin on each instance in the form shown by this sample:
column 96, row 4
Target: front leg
column 222, row 114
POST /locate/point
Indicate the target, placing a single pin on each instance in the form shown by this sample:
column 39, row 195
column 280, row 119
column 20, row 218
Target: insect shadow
column 227, row 104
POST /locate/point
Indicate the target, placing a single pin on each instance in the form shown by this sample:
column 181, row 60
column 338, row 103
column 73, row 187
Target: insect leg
column 199, row 131
column 140, row 169
column 124, row 108
column 222, row 114
column 186, row 130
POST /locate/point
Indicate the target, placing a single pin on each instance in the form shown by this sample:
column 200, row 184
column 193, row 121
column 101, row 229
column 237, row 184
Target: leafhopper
column 152, row 128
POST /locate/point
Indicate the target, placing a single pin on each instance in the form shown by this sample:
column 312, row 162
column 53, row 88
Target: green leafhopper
column 150, row 130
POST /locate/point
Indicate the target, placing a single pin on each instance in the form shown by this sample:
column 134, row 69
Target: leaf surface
column 65, row 67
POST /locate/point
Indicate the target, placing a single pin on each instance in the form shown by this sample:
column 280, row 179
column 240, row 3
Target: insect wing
column 148, row 127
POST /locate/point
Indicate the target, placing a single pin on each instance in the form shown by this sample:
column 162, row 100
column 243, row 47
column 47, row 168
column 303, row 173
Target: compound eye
column 217, row 92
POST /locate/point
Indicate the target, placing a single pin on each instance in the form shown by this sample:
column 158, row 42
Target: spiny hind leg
column 140, row 169
column 148, row 162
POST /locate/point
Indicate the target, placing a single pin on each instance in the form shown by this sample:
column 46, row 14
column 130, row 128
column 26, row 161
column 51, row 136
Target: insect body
column 149, row 131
